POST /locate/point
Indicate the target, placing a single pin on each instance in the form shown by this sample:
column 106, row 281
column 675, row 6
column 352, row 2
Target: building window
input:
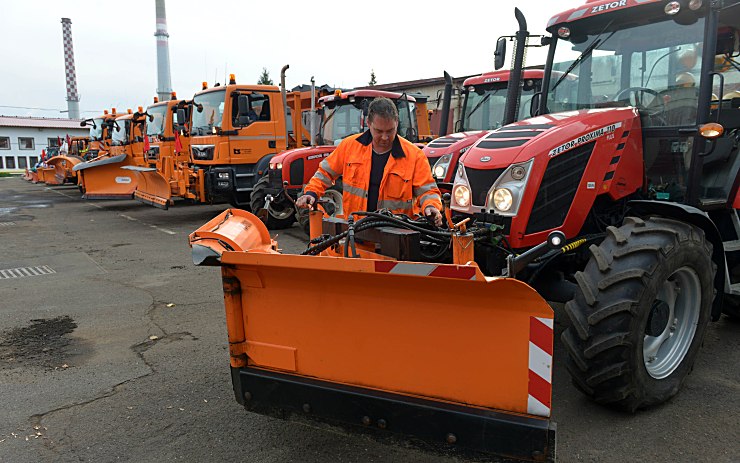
column 10, row 162
column 34, row 160
column 4, row 143
column 1, row 163
column 25, row 143
column 54, row 142
column 22, row 162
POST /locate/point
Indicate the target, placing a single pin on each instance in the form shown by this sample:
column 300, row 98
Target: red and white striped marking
column 540, row 366
column 430, row 270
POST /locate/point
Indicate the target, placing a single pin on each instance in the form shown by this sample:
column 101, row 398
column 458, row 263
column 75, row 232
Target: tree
column 372, row 78
column 264, row 78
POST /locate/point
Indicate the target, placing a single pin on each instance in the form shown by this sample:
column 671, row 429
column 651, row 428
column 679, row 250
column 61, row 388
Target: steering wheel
column 638, row 101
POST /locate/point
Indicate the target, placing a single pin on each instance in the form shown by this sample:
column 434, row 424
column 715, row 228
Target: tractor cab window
column 120, row 132
column 651, row 65
column 485, row 104
column 407, row 120
column 208, row 110
column 155, row 127
column 96, row 129
column 341, row 120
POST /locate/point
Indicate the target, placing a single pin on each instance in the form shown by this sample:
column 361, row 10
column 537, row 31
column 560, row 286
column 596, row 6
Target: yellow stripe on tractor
column 432, row 352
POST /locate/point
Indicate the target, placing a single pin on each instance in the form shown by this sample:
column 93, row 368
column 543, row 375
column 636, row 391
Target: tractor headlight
column 507, row 191
column 441, row 166
column 503, row 199
column 276, row 165
column 461, row 194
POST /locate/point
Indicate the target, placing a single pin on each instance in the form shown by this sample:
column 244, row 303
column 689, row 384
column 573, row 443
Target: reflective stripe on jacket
column 407, row 177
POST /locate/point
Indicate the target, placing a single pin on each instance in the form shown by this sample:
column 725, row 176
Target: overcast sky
column 338, row 42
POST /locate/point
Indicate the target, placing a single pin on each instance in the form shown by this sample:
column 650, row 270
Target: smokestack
column 73, row 98
column 164, row 81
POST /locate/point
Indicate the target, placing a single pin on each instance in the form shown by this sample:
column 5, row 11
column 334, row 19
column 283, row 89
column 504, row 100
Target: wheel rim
column 664, row 348
column 280, row 214
column 335, row 199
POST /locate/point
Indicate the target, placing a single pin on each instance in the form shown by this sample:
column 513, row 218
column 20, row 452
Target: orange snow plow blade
column 152, row 188
column 432, row 352
column 63, row 170
column 103, row 178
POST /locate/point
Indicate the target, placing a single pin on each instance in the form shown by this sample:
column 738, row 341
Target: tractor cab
column 671, row 61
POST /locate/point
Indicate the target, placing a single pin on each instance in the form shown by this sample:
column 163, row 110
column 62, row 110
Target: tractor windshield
column 155, row 127
column 653, row 65
column 343, row 119
column 208, row 110
column 485, row 103
column 407, row 120
column 96, row 129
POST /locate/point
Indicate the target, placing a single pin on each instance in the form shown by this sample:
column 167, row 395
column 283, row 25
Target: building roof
column 40, row 122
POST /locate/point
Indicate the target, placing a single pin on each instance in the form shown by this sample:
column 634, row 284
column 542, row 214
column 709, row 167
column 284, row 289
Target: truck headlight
column 223, row 175
column 461, row 195
column 503, row 199
column 441, row 166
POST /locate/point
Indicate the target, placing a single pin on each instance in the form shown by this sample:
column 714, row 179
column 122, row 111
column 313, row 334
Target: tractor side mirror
column 180, row 115
column 500, row 53
column 534, row 104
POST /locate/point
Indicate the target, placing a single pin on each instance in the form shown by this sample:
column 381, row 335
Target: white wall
column 41, row 140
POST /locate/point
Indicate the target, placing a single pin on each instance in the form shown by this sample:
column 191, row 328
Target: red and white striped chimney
column 73, row 98
column 164, row 82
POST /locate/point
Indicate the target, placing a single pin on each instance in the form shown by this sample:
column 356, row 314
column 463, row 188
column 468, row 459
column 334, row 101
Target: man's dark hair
column 382, row 107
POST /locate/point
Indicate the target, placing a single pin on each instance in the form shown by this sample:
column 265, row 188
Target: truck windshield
column 155, row 127
column 212, row 114
column 653, row 66
column 120, row 132
column 96, row 129
column 485, row 103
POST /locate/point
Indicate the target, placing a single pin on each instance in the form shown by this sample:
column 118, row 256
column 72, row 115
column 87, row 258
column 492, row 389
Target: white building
column 23, row 138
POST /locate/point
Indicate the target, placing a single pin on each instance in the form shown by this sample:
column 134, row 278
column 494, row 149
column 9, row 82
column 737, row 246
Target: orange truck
column 234, row 131
column 167, row 173
column 60, row 168
column 102, row 177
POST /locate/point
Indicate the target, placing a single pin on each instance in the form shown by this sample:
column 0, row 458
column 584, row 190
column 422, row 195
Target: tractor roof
column 502, row 76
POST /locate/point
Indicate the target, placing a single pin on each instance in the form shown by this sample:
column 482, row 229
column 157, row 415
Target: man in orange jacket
column 379, row 170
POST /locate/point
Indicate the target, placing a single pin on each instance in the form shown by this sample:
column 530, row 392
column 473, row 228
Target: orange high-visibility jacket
column 407, row 176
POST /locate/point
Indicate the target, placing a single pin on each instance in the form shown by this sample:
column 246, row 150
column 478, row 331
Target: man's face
column 384, row 132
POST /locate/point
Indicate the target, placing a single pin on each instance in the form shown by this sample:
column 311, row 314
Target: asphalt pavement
column 113, row 347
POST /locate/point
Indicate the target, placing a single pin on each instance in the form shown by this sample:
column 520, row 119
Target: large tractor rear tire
column 640, row 312
column 279, row 215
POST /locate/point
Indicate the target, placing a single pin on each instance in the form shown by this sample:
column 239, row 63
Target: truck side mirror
column 243, row 111
column 500, row 53
column 181, row 116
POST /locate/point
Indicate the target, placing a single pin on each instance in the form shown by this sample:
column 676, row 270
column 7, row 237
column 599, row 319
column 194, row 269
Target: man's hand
column 433, row 212
column 305, row 202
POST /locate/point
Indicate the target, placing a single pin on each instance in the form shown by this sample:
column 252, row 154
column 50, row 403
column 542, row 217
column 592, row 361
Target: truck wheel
column 640, row 312
column 280, row 215
column 332, row 206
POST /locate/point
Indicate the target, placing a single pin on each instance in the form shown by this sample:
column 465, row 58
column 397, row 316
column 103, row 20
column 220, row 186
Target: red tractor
column 482, row 110
column 637, row 165
column 342, row 114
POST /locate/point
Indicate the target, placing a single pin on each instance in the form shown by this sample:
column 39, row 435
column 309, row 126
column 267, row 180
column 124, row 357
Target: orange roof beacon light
column 232, row 79
column 140, row 109
column 337, row 93
column 205, row 85
column 129, row 111
column 173, row 96
column 113, row 111
column 156, row 99
column 105, row 111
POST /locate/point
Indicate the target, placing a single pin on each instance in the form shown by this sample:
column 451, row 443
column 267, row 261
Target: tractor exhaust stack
column 515, row 81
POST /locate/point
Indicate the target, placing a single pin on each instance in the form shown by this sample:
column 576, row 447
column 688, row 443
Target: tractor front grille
column 481, row 181
column 558, row 188
column 296, row 172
